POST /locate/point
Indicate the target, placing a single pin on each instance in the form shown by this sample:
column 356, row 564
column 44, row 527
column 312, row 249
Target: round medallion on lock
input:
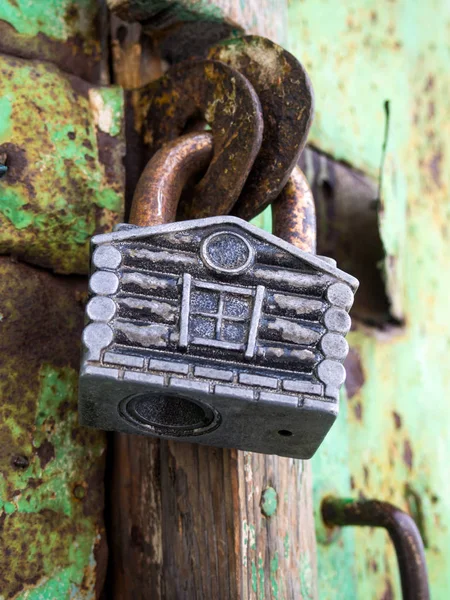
column 227, row 252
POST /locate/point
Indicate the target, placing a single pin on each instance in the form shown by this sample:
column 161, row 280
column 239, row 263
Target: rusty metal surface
column 287, row 103
column 163, row 179
column 52, row 539
column 61, row 143
column 402, row 530
column 211, row 90
column 264, row 17
column 67, row 33
column 63, row 140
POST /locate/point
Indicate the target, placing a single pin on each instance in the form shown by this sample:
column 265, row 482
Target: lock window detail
column 220, row 315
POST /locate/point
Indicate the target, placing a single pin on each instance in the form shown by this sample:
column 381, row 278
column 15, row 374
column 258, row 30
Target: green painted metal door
column 380, row 73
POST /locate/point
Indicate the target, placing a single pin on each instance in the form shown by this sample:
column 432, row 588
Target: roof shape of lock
column 126, row 232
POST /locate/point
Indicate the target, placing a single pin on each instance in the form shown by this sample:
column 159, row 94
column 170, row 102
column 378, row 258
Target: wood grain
column 189, row 522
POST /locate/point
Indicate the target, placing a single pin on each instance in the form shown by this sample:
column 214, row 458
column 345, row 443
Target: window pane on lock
column 203, row 301
column 203, row 327
column 237, row 307
column 234, row 331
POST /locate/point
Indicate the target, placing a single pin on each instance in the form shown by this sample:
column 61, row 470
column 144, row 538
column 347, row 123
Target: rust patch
column 77, row 54
column 416, row 510
column 397, row 420
column 46, row 453
column 388, row 593
column 358, row 411
column 355, row 374
column 294, row 215
column 429, row 85
column 17, row 162
column 435, row 166
column 408, row 454
column 366, row 475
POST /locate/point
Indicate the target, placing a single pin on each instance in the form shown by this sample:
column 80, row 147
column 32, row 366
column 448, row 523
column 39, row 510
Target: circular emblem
column 227, row 252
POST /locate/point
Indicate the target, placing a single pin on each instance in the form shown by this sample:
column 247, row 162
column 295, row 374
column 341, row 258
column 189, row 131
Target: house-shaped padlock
column 214, row 331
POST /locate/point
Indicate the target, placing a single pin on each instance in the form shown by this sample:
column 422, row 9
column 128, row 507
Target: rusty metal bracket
column 229, row 104
column 402, row 530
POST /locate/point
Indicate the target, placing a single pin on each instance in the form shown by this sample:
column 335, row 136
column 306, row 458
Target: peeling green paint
column 254, row 577
column 264, row 220
column 5, row 116
column 56, row 19
column 261, row 579
column 306, row 580
column 11, row 206
column 252, row 537
column 244, row 543
column 286, row 544
column 273, row 577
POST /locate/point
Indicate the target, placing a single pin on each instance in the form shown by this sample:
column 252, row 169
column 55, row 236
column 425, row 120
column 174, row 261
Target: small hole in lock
column 285, row 432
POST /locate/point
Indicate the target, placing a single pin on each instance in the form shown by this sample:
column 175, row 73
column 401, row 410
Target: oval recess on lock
column 227, row 252
column 168, row 414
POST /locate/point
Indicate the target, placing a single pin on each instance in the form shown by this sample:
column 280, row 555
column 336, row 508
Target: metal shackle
column 160, row 186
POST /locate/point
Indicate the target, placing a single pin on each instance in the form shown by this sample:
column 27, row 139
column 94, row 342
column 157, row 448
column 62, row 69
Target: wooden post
column 190, row 521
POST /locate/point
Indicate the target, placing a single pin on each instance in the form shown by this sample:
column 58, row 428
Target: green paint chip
column 9, row 508
column 11, row 205
column 254, row 577
column 5, row 118
column 269, row 502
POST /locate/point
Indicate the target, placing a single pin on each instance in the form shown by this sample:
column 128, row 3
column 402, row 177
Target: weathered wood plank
column 196, row 522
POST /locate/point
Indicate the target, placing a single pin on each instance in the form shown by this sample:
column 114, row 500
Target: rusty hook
column 402, row 530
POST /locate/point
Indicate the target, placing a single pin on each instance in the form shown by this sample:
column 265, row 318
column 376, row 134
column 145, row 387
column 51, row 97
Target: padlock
column 212, row 330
